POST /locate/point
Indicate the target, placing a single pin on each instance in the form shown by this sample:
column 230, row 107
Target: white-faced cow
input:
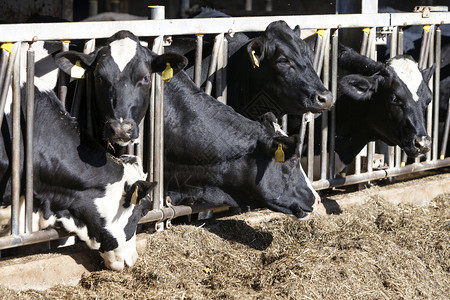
column 378, row 101
column 219, row 156
column 77, row 184
column 122, row 73
column 271, row 72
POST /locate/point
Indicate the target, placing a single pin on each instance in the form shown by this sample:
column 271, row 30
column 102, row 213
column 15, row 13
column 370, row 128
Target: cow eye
column 395, row 100
column 146, row 79
column 282, row 60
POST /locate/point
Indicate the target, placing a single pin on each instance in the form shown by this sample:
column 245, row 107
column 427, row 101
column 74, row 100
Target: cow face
column 392, row 103
column 285, row 188
column 122, row 72
column 282, row 65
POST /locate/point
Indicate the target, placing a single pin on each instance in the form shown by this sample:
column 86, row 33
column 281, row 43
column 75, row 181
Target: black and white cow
column 217, row 155
column 378, row 101
column 77, row 183
column 271, row 72
column 122, row 71
column 213, row 153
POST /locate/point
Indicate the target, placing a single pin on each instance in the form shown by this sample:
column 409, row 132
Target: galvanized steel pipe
column 29, row 97
column 198, row 60
column 437, row 78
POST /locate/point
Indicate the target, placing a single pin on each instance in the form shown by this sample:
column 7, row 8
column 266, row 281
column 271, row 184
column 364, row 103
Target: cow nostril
column 325, row 100
column 423, row 143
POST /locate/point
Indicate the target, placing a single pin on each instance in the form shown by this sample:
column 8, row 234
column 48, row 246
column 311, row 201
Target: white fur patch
column 278, row 129
column 47, row 81
column 408, row 71
column 122, row 51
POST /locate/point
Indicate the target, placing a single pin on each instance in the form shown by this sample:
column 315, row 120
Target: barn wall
column 20, row 11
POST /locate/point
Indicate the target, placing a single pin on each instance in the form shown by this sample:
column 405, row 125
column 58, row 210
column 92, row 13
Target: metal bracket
column 425, row 10
column 382, row 34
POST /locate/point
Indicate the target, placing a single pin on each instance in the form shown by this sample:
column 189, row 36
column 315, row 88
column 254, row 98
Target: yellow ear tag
column 167, row 74
column 279, row 154
column 366, row 30
column 255, row 60
column 134, row 197
column 426, row 28
column 7, row 46
column 321, row 32
column 77, row 71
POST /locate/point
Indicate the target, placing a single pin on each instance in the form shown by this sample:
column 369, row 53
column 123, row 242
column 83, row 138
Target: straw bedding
column 373, row 251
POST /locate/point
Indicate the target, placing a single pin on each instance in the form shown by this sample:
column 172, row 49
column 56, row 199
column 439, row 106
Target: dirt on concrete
column 373, row 251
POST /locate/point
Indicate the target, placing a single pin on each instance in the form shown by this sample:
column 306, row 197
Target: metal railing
column 325, row 63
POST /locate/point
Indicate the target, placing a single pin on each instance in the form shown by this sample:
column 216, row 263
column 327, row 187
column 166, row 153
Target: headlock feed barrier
column 325, row 64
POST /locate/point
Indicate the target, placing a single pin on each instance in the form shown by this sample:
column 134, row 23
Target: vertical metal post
column 224, row 73
column 400, row 155
column 115, row 5
column 63, row 77
column 284, row 123
column 93, row 8
column 198, row 60
column 88, row 48
column 310, row 173
column 393, row 53
column 269, row 6
column 15, row 174
column 324, row 125
column 218, row 41
column 29, row 95
column 158, row 12
column 317, row 50
column 3, row 65
column 334, row 71
column 248, row 5
column 429, row 62
column 7, row 81
column 437, row 78
column 219, row 72
column 364, row 42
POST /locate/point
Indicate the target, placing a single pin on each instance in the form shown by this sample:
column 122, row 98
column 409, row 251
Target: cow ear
column 255, row 51
column 139, row 190
column 297, row 30
column 427, row 73
column 67, row 60
column 177, row 62
column 359, row 87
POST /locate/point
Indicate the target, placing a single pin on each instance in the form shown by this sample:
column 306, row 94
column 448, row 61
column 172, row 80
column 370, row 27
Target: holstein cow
column 378, row 101
column 271, row 72
column 212, row 153
column 122, row 72
column 77, row 184
column 219, row 156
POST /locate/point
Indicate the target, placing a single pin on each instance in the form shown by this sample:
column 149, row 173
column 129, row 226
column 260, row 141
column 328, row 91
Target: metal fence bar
column 3, row 64
column 393, row 53
column 7, row 81
column 429, row 63
column 224, row 73
column 324, row 125
column 198, row 59
column 29, row 95
column 62, row 89
column 437, row 78
column 334, row 71
column 218, row 42
column 15, row 174
column 380, row 174
column 158, row 163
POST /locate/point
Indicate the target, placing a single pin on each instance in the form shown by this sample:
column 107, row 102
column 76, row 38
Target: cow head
column 282, row 66
column 120, row 217
column 284, row 186
column 122, row 72
column 388, row 102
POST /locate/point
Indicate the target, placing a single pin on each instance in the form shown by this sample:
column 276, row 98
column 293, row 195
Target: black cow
column 215, row 154
column 271, row 72
column 76, row 182
column 122, row 71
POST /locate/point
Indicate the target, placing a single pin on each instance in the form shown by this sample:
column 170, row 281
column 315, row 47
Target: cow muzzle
column 324, row 100
column 422, row 144
column 120, row 131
